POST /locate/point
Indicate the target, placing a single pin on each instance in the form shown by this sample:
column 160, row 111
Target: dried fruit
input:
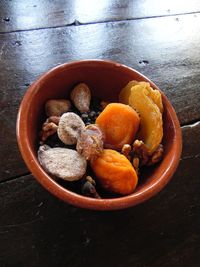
column 119, row 124
column 69, row 128
column 114, row 172
column 56, row 107
column 64, row 163
column 126, row 91
column 81, row 97
column 155, row 95
column 151, row 127
column 90, row 142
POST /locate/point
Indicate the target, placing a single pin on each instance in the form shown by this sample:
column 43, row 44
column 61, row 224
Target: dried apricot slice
column 154, row 94
column 126, row 91
column 119, row 123
column 151, row 128
column 114, row 172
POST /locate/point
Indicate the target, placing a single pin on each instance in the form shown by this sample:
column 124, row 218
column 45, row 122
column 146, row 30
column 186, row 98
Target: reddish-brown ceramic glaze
column 106, row 79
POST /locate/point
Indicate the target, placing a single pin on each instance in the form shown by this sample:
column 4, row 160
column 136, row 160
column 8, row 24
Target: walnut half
column 49, row 127
column 156, row 156
column 145, row 157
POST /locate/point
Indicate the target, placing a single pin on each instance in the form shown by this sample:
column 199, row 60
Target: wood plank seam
column 77, row 23
column 192, row 123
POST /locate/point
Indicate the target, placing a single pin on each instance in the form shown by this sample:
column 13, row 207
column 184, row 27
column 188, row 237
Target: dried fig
column 63, row 163
column 69, row 128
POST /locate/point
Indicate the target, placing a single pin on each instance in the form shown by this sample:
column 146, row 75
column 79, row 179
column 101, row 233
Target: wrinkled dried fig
column 63, row 163
column 69, row 128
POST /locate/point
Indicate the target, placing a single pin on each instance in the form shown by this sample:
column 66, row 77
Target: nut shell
column 56, row 107
column 64, row 163
column 81, row 97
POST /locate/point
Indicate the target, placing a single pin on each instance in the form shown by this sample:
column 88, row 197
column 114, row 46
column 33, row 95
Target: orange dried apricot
column 114, row 172
column 119, row 124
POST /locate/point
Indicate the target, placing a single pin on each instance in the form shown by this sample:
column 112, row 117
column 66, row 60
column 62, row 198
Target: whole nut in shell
column 69, row 128
column 56, row 107
column 81, row 97
column 64, row 163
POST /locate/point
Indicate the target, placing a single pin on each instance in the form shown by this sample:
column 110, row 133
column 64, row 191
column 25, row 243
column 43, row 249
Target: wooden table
column 161, row 39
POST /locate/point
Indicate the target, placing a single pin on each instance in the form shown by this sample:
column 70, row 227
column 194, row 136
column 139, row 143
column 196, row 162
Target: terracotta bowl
column 105, row 79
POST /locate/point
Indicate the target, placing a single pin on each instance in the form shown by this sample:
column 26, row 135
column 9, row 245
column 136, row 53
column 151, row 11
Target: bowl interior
column 105, row 79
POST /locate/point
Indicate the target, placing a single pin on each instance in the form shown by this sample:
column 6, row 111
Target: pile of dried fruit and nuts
column 102, row 144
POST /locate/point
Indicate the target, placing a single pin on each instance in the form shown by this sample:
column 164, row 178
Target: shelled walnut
column 49, row 127
column 145, row 157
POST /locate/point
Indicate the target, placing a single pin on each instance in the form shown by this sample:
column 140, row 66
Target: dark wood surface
column 161, row 40
column 18, row 15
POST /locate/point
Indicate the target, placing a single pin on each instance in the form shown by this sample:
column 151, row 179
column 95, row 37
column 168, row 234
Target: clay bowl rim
column 73, row 198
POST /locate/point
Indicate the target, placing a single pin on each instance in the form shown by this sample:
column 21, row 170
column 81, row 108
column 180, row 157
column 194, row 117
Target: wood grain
column 170, row 58
column 161, row 40
column 38, row 230
column 17, row 15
